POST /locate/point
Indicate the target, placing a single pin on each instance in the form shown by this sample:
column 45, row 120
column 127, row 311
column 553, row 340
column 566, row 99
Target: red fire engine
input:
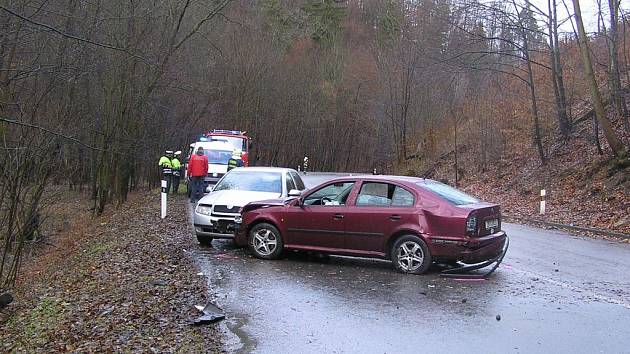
column 238, row 139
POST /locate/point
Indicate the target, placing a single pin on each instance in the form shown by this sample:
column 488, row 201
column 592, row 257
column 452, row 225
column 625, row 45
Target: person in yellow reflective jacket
column 166, row 167
column 177, row 171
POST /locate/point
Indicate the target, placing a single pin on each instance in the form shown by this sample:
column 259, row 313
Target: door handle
column 394, row 217
column 338, row 216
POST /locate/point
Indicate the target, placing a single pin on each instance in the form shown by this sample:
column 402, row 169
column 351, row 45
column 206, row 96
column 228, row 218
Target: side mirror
column 294, row 193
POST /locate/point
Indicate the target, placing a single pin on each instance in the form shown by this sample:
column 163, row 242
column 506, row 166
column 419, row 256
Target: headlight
column 204, row 209
column 471, row 224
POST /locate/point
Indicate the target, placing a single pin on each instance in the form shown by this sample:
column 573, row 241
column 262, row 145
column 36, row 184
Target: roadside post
column 163, row 209
column 542, row 201
column 305, row 164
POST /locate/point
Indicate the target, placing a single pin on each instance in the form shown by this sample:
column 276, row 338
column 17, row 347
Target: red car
column 411, row 221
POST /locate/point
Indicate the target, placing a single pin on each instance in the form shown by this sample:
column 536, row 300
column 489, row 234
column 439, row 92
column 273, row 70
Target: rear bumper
column 484, row 248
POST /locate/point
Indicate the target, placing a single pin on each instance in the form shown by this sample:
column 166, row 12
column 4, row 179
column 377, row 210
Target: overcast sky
column 589, row 12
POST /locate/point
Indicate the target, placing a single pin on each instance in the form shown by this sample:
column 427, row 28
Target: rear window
column 449, row 193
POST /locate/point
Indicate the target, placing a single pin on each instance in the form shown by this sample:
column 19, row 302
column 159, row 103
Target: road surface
column 554, row 293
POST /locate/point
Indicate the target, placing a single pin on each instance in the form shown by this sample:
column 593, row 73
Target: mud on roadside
column 125, row 281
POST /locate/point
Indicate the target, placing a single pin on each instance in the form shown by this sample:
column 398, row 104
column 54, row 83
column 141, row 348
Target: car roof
column 385, row 178
column 264, row 169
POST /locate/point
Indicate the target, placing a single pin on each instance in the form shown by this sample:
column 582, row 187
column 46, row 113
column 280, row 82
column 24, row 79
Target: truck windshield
column 218, row 157
column 449, row 193
column 251, row 181
column 237, row 143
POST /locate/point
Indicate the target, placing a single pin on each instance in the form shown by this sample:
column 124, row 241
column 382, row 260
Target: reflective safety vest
column 177, row 166
column 233, row 163
column 166, row 164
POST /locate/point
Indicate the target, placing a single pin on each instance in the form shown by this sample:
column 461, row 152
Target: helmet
column 178, row 152
column 169, row 152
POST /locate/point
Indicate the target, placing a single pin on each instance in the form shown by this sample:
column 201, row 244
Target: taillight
column 471, row 224
column 245, row 158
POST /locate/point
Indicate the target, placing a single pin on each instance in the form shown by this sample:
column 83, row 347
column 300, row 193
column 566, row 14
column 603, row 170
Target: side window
column 375, row 194
column 289, row 182
column 332, row 194
column 402, row 197
column 299, row 184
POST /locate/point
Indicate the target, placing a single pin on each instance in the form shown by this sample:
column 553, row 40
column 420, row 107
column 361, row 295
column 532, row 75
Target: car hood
column 235, row 197
column 267, row 203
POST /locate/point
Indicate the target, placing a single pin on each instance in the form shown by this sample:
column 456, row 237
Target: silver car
column 215, row 212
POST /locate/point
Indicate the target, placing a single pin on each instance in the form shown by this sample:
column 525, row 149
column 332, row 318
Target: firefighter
column 197, row 170
column 167, row 168
column 235, row 160
column 177, row 171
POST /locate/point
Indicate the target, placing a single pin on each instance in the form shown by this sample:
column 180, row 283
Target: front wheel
column 265, row 241
column 410, row 254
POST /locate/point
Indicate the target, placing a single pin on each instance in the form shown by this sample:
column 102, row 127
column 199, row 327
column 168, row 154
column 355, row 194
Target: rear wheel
column 204, row 240
column 265, row 241
column 410, row 254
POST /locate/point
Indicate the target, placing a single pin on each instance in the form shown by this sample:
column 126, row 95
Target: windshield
column 449, row 193
column 218, row 157
column 251, row 181
column 237, row 143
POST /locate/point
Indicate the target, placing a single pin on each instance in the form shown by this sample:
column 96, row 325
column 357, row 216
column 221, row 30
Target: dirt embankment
column 121, row 282
column 583, row 188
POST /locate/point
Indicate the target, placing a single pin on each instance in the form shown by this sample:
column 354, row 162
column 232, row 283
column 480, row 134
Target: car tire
column 204, row 240
column 265, row 241
column 410, row 255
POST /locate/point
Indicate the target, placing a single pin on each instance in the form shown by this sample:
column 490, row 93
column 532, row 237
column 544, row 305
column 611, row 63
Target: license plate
column 491, row 224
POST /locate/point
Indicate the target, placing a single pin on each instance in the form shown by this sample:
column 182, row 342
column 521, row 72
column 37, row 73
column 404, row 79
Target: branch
column 67, row 35
column 46, row 130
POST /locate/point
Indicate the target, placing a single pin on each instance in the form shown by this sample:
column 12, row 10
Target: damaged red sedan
column 410, row 221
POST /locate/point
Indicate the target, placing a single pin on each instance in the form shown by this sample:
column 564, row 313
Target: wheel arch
column 263, row 220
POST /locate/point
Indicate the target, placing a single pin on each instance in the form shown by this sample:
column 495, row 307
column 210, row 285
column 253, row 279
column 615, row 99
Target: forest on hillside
column 92, row 92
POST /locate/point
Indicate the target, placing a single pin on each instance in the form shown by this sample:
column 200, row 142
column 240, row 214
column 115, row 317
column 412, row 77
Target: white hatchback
column 215, row 213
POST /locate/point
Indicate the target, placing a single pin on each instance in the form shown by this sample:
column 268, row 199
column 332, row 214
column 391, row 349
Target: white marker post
column 163, row 214
column 542, row 201
column 305, row 164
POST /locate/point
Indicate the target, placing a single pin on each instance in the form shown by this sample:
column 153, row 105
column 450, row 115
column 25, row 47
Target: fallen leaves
column 129, row 287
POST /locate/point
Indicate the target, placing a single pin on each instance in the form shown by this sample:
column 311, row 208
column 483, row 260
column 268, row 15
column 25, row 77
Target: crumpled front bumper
column 215, row 227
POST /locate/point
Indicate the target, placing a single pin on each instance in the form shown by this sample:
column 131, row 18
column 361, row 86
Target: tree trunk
column 532, row 92
column 564, row 124
column 612, row 139
column 613, row 67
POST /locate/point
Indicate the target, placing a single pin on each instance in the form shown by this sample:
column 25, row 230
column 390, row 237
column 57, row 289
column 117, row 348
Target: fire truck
column 238, row 139
column 218, row 146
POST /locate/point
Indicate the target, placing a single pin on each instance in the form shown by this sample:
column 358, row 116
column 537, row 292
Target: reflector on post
column 163, row 206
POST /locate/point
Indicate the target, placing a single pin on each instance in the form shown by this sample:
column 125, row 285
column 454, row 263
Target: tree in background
column 600, row 113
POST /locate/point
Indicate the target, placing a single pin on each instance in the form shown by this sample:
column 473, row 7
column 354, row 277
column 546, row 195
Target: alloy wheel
column 265, row 242
column 409, row 256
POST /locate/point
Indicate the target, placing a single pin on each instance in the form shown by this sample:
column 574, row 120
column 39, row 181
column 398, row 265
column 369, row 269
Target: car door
column 319, row 222
column 378, row 210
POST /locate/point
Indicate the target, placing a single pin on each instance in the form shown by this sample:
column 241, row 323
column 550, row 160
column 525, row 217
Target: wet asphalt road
column 554, row 293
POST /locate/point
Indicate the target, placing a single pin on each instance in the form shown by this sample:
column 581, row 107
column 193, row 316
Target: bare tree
column 613, row 141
